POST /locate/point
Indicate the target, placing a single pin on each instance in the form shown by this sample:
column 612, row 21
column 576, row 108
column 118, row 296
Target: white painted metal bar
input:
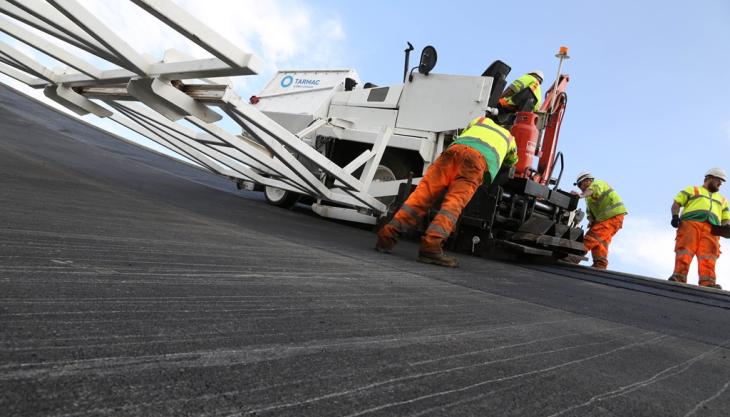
column 45, row 18
column 48, row 48
column 244, row 112
column 358, row 162
column 165, row 133
column 11, row 72
column 378, row 148
column 26, row 63
column 74, row 101
column 275, row 165
column 201, row 68
column 133, row 121
column 84, row 19
column 169, row 101
column 193, row 29
column 210, row 146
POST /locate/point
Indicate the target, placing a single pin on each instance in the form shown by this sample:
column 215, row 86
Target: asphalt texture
column 135, row 285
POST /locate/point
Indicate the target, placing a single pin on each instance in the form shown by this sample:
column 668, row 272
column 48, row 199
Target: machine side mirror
column 428, row 60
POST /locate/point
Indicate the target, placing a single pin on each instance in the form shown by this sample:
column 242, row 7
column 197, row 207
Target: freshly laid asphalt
column 135, row 285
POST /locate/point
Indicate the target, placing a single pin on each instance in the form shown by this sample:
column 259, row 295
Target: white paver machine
column 320, row 137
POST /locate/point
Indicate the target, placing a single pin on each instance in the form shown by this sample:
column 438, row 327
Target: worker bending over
column 703, row 207
column 511, row 99
column 475, row 157
column 606, row 214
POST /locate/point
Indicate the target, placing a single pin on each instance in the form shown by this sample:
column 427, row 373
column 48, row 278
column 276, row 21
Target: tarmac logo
column 298, row 82
column 287, row 81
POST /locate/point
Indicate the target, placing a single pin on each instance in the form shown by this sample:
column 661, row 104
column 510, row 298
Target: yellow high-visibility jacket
column 604, row 202
column 526, row 81
column 493, row 141
column 700, row 205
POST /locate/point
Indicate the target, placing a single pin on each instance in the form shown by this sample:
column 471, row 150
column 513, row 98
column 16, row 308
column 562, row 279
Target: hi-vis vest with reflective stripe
column 604, row 203
column 701, row 205
column 526, row 81
column 493, row 141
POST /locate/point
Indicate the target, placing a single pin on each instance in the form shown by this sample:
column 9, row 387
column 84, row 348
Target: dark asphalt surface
column 134, row 285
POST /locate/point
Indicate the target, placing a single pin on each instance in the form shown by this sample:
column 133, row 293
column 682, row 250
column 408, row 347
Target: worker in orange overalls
column 703, row 207
column 475, row 157
column 606, row 214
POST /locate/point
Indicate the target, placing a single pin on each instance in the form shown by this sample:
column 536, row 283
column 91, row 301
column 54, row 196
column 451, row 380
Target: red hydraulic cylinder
column 525, row 132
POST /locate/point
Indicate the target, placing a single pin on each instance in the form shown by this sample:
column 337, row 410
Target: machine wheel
column 280, row 198
column 391, row 168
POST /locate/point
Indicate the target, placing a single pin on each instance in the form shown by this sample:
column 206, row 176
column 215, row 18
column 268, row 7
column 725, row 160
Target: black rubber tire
column 281, row 198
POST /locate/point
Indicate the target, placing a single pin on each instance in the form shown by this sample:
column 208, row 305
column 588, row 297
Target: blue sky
column 647, row 107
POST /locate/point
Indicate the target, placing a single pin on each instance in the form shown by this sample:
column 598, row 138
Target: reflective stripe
column 678, row 277
column 684, row 252
column 507, row 139
column 702, row 205
column 707, row 278
column 694, row 214
column 449, row 214
column 410, row 210
column 597, row 239
column 434, row 228
column 712, row 257
column 617, row 205
column 603, row 196
column 483, row 143
column 396, row 224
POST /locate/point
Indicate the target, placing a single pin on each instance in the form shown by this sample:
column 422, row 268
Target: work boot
column 675, row 278
column 713, row 286
column 384, row 244
column 438, row 259
column 383, row 247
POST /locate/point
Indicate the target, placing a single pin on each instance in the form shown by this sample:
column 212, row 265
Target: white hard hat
column 583, row 176
column 538, row 73
column 718, row 173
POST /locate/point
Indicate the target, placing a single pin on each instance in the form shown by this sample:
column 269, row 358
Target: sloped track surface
column 131, row 285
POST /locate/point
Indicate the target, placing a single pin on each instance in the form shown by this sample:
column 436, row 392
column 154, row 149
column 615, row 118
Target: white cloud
column 646, row 247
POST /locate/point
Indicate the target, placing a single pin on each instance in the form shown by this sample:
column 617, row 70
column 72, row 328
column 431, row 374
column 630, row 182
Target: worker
column 703, row 207
column 606, row 214
column 475, row 157
column 509, row 100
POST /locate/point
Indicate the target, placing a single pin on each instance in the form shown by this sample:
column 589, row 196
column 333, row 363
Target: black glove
column 675, row 220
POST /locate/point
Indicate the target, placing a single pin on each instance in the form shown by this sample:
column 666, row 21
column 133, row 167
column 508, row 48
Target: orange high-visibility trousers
column 599, row 237
column 696, row 239
column 458, row 170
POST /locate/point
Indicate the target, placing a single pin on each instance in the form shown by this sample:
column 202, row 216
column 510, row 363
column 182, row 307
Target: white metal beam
column 275, row 165
column 193, row 29
column 169, row 101
column 84, row 19
column 14, row 73
column 245, row 112
column 45, row 18
column 201, row 68
column 77, row 99
column 133, row 121
column 48, row 48
column 26, row 63
column 378, row 148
